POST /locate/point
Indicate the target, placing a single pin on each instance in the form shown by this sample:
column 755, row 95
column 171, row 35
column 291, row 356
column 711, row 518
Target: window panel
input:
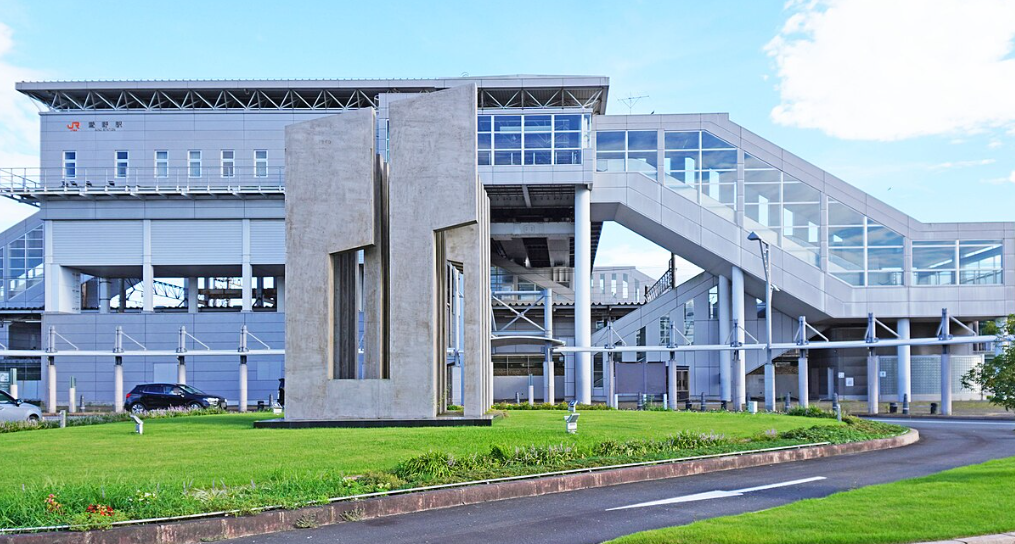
column 762, row 176
column 750, row 161
column 610, row 141
column 934, row 278
column 610, row 161
column 719, row 160
column 882, row 236
column 681, row 140
column 642, row 140
column 508, row 141
column 708, row 141
column 840, row 214
column 761, row 193
column 845, row 236
column 484, row 123
column 681, row 160
column 508, row 158
column 483, row 158
column 538, row 123
column 538, row 157
column 641, row 162
column 567, row 140
column 483, row 141
column 567, row 122
column 507, row 123
column 797, row 191
column 930, row 258
column 568, row 157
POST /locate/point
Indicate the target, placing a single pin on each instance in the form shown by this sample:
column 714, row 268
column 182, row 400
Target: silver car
column 12, row 409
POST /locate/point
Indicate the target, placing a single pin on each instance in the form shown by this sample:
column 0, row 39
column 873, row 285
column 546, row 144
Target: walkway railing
column 135, row 181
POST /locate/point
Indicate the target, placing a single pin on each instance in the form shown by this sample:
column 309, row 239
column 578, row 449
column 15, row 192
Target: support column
column 803, row 383
column 770, row 386
column 147, row 270
column 671, row 381
column 122, row 292
column 739, row 379
column 905, row 362
column 548, row 385
column 725, row 357
column 610, row 371
column 582, row 292
column 243, row 383
column 831, row 382
column 181, row 359
column 51, row 383
column 248, row 270
column 280, row 294
column 873, row 382
column 118, row 399
column 103, row 295
column 192, row 295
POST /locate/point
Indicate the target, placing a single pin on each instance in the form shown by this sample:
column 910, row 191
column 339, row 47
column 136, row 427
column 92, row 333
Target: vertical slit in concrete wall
column 345, row 270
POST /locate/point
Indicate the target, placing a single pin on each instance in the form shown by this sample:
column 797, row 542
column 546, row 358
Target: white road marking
column 718, row 494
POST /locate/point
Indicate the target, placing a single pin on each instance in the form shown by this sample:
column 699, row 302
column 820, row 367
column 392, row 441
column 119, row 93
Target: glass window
column 567, row 122
column 538, row 123
column 689, row 320
column 539, row 140
column 980, row 262
column 686, row 161
column 612, row 161
column 569, row 156
column 507, row 123
column 750, row 161
column 70, row 167
column 713, row 303
column 884, row 266
column 681, row 140
column 640, row 341
column 708, row 141
column 121, row 164
column 665, row 338
column 483, row 123
column 228, row 163
column 261, row 163
column 642, row 140
column 840, row 214
column 194, row 163
column 538, row 157
column 508, row 141
column 610, row 141
column 878, row 235
column 161, row 164
column 567, row 140
column 483, row 141
column 718, row 160
column 507, row 158
column 847, row 265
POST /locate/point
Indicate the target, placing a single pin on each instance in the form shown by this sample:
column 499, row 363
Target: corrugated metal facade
column 94, row 243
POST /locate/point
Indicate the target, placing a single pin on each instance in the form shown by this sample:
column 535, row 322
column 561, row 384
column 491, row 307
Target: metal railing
column 137, row 180
column 660, row 287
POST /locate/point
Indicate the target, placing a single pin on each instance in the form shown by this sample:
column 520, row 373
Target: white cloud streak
column 876, row 70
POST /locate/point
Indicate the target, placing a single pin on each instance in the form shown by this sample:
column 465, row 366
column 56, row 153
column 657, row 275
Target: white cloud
column 19, row 127
column 876, row 70
column 961, row 164
column 994, row 144
column 999, row 181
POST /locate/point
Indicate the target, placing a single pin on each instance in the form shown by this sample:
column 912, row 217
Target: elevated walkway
column 684, row 219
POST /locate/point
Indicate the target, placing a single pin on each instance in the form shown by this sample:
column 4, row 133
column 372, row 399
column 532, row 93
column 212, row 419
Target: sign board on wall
column 849, row 382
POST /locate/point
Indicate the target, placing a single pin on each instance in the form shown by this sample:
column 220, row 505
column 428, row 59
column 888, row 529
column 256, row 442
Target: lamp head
column 753, row 236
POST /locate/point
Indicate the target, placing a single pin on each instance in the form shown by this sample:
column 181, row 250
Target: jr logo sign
column 74, row 126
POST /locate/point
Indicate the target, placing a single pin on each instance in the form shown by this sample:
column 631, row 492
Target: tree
column 996, row 377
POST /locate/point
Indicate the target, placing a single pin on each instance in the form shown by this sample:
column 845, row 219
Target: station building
column 161, row 206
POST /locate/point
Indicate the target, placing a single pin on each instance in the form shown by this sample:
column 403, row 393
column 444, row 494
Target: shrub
column 16, row 426
column 548, row 406
column 811, row 411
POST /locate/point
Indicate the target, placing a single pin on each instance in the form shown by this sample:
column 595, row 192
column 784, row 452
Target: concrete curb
column 936, row 417
column 206, row 530
column 1007, row 538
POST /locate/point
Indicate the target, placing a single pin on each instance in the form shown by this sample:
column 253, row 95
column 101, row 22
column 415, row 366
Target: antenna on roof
column 630, row 101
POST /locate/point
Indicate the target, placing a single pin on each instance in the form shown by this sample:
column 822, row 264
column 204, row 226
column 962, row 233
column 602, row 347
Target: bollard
column 786, row 404
column 14, row 382
column 933, row 408
column 641, row 401
column 905, row 405
column 71, row 400
column 243, row 383
column 752, row 406
column 518, row 397
column 666, row 402
column 724, row 406
column 532, row 395
column 838, row 411
column 63, row 419
column 81, row 403
column 687, row 405
column 893, row 408
column 260, row 406
column 835, row 402
column 138, row 424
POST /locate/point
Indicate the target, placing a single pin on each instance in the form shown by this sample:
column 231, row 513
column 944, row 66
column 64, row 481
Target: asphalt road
column 592, row 515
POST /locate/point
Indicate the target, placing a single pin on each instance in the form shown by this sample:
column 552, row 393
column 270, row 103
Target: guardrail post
column 181, row 360
column 14, row 382
column 72, row 403
column 118, row 399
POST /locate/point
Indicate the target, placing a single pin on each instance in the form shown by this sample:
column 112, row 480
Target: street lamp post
column 769, row 366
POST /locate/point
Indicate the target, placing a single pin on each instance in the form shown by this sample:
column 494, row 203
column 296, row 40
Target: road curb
column 207, row 530
column 928, row 417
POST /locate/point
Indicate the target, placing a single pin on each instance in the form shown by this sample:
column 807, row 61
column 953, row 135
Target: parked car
column 12, row 409
column 159, row 396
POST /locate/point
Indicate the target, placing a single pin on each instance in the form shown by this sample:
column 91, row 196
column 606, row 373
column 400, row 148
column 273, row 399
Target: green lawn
column 227, row 447
column 967, row 501
column 220, row 462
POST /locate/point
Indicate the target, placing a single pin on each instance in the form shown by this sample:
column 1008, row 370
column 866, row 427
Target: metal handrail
column 134, row 180
column 660, row 287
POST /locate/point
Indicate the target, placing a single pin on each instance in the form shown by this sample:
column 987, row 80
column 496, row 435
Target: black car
column 158, row 396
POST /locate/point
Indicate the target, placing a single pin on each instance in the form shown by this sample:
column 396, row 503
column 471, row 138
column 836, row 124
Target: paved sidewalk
column 1007, row 538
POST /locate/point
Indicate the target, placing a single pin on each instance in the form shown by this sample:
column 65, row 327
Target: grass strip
column 966, row 501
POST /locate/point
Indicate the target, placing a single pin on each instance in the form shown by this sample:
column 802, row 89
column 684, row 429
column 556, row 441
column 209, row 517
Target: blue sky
column 914, row 106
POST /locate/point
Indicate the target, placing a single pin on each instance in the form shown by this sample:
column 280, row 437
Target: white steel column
column 147, row 271
column 946, row 366
column 873, row 382
column 248, row 271
column 103, row 295
column 192, row 288
column 803, row 384
column 770, row 401
column 739, row 379
column 548, row 392
column 280, row 294
column 582, row 292
column 671, row 381
column 905, row 369
column 725, row 357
